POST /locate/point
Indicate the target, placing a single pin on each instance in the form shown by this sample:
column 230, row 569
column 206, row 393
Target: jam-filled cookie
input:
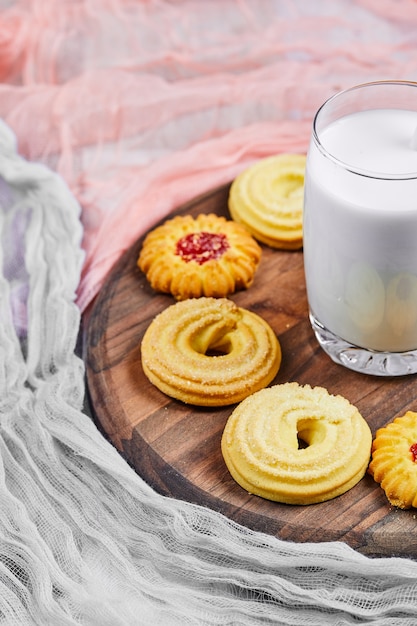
column 203, row 256
column 394, row 460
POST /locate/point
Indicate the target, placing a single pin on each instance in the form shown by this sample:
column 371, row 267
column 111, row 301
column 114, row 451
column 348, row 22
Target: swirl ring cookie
column 203, row 256
column 268, row 198
column 394, row 460
column 209, row 352
column 261, row 444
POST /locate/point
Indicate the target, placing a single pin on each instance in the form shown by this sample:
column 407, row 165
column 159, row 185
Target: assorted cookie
column 203, row 256
column 262, row 444
column 209, row 352
column 268, row 199
column 394, row 460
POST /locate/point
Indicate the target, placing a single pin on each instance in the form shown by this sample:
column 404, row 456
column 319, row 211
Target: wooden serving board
column 176, row 448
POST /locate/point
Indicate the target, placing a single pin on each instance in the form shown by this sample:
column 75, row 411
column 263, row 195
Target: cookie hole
column 215, row 352
column 310, row 432
column 219, row 349
column 302, row 443
column 304, row 435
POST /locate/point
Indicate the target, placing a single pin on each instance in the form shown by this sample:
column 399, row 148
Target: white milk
column 360, row 231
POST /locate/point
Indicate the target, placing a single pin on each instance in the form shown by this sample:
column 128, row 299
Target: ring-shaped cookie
column 268, row 198
column 209, row 352
column 262, row 450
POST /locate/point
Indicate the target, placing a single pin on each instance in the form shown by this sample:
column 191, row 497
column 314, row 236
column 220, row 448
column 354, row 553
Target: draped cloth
column 114, row 112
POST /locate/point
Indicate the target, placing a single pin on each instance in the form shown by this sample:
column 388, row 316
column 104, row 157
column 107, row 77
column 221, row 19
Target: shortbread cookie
column 203, row 256
column 394, row 460
column 296, row 445
column 268, row 198
column 210, row 352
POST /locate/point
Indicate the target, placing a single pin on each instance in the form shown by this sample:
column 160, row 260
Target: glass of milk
column 360, row 228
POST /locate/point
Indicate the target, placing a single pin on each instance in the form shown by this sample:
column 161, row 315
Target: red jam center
column 202, row 247
column 413, row 450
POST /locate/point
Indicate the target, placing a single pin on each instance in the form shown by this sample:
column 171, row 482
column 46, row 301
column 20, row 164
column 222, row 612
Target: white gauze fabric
column 83, row 539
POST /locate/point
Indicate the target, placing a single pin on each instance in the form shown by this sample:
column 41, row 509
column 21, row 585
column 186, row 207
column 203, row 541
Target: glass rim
column 346, row 166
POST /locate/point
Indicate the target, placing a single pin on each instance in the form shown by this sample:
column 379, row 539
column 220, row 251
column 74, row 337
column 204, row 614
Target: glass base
column 362, row 360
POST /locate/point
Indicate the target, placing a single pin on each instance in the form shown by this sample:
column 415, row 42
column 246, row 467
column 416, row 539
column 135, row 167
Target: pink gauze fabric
column 141, row 106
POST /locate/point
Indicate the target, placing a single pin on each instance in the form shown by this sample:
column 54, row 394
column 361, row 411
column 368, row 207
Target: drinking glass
column 360, row 228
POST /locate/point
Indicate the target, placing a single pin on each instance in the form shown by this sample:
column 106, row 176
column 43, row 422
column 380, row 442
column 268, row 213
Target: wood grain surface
column 176, row 448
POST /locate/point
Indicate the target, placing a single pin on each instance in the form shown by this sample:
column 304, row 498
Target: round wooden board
column 176, row 448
